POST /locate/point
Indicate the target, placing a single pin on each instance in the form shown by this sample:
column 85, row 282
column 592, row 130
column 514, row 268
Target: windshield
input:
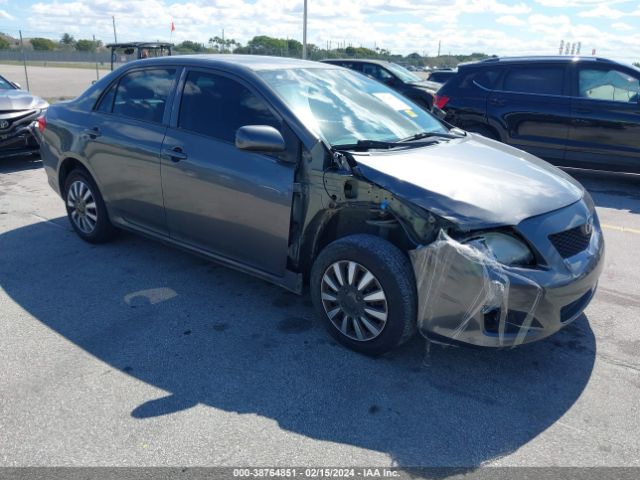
column 343, row 106
column 405, row 75
column 5, row 85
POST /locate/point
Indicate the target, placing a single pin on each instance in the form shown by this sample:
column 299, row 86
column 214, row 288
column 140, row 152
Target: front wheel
column 364, row 289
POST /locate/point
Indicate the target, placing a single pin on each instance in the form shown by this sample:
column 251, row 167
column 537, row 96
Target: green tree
column 636, row 64
column 67, row 39
column 190, row 47
column 223, row 45
column 84, row 45
column 42, row 44
column 4, row 43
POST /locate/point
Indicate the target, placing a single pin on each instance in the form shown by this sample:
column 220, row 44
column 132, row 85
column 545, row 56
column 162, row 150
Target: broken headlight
column 505, row 248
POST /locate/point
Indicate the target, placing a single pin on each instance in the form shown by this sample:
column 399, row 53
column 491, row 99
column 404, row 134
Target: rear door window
column 351, row 65
column 377, row 72
column 217, row 106
column 546, row 80
column 608, row 84
column 143, row 94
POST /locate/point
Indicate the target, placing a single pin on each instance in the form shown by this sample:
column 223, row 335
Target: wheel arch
column 484, row 126
column 68, row 165
column 332, row 224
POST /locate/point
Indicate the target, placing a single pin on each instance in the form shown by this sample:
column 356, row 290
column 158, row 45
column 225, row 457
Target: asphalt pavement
column 133, row 353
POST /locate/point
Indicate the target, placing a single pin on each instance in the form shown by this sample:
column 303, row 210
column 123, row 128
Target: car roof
column 139, row 45
column 356, row 60
column 536, row 59
column 245, row 62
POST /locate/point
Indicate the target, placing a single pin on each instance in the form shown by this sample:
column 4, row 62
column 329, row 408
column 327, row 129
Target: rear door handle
column 583, row 110
column 498, row 101
column 92, row 132
column 174, row 154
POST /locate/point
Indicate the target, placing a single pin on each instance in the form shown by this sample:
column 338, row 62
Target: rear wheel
column 364, row 289
column 85, row 208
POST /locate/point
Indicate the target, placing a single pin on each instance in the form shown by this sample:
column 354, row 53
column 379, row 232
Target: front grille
column 513, row 322
column 571, row 242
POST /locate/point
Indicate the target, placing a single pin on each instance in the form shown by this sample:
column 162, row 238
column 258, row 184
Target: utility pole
column 438, row 47
column 304, row 32
column 24, row 60
column 115, row 37
column 95, row 55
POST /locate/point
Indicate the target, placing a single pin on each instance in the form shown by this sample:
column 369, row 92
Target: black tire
column 393, row 273
column 103, row 230
column 484, row 131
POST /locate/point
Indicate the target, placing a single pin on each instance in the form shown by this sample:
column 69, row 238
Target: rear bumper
column 465, row 297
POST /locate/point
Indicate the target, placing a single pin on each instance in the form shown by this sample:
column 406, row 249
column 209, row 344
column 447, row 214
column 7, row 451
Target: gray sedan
column 304, row 173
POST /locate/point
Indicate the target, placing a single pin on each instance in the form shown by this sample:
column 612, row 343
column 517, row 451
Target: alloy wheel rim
column 354, row 300
column 82, row 206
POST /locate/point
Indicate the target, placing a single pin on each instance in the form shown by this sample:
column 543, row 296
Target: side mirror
column 259, row 138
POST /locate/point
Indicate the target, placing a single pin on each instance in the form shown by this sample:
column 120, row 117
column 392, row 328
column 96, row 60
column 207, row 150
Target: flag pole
column 304, row 32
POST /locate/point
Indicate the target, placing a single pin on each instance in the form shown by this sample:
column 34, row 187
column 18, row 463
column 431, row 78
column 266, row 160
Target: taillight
column 440, row 101
column 42, row 123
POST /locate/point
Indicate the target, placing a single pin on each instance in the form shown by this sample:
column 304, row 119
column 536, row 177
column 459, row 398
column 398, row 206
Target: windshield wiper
column 366, row 145
column 421, row 135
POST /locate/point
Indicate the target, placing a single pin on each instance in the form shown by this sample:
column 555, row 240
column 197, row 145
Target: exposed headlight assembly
column 505, row 248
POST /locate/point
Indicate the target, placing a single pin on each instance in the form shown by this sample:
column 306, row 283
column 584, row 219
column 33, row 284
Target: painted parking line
column 621, row 229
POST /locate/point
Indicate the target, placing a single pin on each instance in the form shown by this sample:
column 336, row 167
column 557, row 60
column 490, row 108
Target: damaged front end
column 17, row 133
column 491, row 285
column 466, row 296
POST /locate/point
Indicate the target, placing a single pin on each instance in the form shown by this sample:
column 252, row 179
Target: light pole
column 304, row 32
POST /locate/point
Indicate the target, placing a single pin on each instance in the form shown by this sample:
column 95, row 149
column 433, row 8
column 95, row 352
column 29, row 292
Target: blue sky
column 492, row 26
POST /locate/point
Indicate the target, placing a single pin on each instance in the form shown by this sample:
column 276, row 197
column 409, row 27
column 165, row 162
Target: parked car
column 580, row 112
column 18, row 112
column 395, row 76
column 442, row 76
column 298, row 172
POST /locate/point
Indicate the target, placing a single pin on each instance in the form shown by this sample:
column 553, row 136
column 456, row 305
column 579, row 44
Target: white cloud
column 510, row 20
column 622, row 26
column 579, row 3
column 603, row 11
column 399, row 25
column 6, row 15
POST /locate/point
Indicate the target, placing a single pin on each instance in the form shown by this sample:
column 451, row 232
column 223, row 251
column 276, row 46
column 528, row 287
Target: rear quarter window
column 485, row 78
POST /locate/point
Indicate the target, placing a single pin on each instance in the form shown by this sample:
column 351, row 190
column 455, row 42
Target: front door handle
column 583, row 110
column 498, row 101
column 92, row 132
column 174, row 154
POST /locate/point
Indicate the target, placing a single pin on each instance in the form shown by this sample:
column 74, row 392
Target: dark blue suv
column 580, row 112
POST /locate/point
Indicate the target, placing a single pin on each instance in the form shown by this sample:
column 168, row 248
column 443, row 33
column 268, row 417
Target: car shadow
column 611, row 190
column 19, row 164
column 209, row 335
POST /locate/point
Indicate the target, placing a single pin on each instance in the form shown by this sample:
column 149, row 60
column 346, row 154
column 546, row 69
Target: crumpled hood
column 20, row 100
column 474, row 182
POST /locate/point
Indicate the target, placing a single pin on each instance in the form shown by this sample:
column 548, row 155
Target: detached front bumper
column 466, row 297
